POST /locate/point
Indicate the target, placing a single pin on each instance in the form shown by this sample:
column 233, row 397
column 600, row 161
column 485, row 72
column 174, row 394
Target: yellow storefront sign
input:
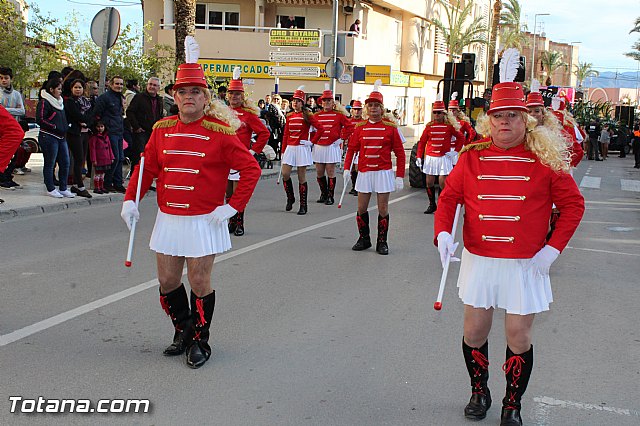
column 294, row 38
column 416, row 81
column 398, row 78
column 251, row 69
column 375, row 72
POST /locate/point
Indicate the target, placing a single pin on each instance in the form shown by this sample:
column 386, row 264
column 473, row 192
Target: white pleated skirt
column 378, row 181
column 437, row 166
column 234, row 175
column 488, row 282
column 327, row 154
column 297, row 155
column 189, row 236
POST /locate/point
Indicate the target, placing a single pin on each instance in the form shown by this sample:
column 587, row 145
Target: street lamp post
column 533, row 51
column 571, row 64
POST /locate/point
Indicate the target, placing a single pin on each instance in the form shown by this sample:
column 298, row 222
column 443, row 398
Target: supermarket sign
column 294, row 38
column 253, row 69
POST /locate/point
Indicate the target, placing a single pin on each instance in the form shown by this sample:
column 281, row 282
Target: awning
column 303, row 2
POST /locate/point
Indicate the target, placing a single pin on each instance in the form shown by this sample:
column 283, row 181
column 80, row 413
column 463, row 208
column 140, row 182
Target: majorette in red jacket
column 374, row 142
column 11, row 135
column 437, row 140
column 507, row 196
column 334, row 122
column 297, row 129
column 574, row 147
column 348, row 130
column 468, row 131
column 251, row 124
column 191, row 163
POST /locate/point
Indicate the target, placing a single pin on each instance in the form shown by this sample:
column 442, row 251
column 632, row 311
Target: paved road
column 307, row 332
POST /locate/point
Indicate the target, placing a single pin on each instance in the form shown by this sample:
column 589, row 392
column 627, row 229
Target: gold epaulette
column 217, row 127
column 167, row 122
column 477, row 146
column 255, row 111
column 360, row 123
column 389, row 123
column 290, row 113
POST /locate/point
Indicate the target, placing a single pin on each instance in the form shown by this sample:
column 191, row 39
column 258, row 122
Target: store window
column 217, row 16
column 288, row 21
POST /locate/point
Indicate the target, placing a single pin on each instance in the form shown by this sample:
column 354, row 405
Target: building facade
column 397, row 42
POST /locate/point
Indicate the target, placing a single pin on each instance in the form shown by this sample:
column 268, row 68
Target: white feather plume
column 376, row 85
column 555, row 103
column 535, row 85
column 439, row 97
column 301, row 87
column 509, row 65
column 454, row 96
column 191, row 50
column 327, row 86
column 236, row 73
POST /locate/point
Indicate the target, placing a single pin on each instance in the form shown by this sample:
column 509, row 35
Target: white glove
column 399, row 183
column 347, row 175
column 306, row 143
column 419, row 162
column 129, row 213
column 337, row 142
column 541, row 262
column 252, row 152
column 446, row 247
column 451, row 154
column 222, row 213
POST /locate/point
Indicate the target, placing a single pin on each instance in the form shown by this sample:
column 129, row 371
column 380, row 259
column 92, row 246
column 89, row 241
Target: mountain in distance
column 609, row 79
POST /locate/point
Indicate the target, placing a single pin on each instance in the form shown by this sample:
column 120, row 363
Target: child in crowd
column 101, row 156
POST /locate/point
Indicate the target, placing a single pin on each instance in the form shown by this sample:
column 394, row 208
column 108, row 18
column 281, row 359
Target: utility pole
column 334, row 48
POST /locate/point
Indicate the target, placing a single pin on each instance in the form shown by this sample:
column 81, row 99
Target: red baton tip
column 437, row 306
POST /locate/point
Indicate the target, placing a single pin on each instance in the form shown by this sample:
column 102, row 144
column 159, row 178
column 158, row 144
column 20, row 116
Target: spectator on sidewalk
column 52, row 138
column 12, row 101
column 605, row 139
column 11, row 135
column 354, row 29
column 101, row 156
column 168, row 102
column 594, row 130
column 73, row 108
column 144, row 110
column 108, row 109
column 88, row 101
column 636, row 146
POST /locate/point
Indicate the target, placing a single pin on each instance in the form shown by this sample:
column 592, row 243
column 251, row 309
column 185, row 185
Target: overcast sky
column 602, row 27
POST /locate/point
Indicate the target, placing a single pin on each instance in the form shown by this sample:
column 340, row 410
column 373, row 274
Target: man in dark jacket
column 143, row 111
column 594, row 129
column 108, row 109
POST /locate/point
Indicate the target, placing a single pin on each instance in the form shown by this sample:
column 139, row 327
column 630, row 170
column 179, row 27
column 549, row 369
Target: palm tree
column 495, row 27
column 185, row 25
column 636, row 46
column 456, row 33
column 551, row 61
column 583, row 71
column 636, row 27
column 512, row 35
column 422, row 29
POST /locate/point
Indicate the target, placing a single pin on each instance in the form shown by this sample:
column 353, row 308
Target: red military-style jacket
column 507, row 196
column 11, row 135
column 348, row 130
column 436, row 138
column 468, row 131
column 191, row 163
column 575, row 149
column 334, row 122
column 251, row 124
column 374, row 142
column 297, row 130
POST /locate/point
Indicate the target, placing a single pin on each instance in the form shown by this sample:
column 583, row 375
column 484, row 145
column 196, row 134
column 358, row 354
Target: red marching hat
column 356, row 105
column 438, row 104
column 534, row 98
column 508, row 94
column 326, row 94
column 375, row 95
column 190, row 73
column 299, row 94
column 453, row 103
column 236, row 83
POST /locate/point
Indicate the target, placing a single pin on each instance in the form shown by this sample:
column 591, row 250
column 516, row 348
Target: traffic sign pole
column 334, row 48
column 105, row 49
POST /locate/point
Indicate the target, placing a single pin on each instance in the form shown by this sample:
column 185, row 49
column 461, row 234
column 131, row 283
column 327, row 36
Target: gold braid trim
column 476, row 146
column 360, row 123
column 390, row 123
column 217, row 127
column 252, row 110
column 165, row 123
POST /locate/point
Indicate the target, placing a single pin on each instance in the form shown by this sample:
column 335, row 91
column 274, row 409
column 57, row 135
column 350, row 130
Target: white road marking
column 590, row 182
column 601, row 251
column 552, row 402
column 630, row 185
column 96, row 304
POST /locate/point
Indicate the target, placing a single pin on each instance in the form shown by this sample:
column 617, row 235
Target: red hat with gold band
column 356, row 105
column 326, row 94
column 508, row 94
column 453, row 103
column 375, row 95
column 236, row 83
column 190, row 73
column 299, row 94
column 534, row 98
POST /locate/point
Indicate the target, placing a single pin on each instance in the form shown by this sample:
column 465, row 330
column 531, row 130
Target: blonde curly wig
column 217, row 109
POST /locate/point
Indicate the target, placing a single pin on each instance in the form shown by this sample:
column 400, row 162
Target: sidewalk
column 31, row 198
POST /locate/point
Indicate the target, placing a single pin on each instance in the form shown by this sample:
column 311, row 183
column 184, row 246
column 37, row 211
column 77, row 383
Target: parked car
column 30, row 140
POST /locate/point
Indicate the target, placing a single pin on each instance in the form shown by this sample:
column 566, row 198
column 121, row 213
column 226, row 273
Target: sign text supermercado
column 250, row 69
column 294, row 38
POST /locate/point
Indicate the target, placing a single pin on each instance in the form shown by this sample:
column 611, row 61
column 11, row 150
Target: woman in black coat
column 77, row 122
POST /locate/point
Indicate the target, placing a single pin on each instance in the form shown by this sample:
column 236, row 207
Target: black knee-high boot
column 302, row 187
column 383, row 228
column 176, row 305
column 517, row 370
column 354, row 177
column 288, row 189
column 323, row 184
column 431, row 193
column 364, row 241
column 330, row 191
column 477, row 363
column 239, row 231
column 199, row 350
column 233, row 223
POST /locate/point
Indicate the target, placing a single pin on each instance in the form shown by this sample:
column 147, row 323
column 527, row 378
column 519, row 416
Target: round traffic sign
column 106, row 24
column 334, row 72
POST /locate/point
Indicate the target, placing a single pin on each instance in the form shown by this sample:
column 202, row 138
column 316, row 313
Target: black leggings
column 75, row 146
